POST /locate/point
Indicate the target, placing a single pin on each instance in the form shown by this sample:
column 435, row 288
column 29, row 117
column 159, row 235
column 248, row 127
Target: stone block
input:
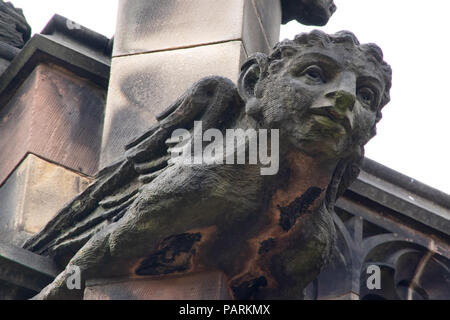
column 78, row 38
column 141, row 86
column 33, row 194
column 150, row 25
column 200, row 286
column 269, row 12
column 253, row 36
column 162, row 49
column 154, row 25
column 56, row 115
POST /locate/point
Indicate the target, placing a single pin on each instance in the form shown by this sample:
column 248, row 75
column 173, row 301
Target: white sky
column 414, row 135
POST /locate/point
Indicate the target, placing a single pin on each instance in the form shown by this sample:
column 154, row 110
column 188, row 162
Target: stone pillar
column 162, row 47
column 52, row 98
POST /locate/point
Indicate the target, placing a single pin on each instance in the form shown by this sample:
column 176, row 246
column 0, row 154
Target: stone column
column 162, row 47
column 52, row 98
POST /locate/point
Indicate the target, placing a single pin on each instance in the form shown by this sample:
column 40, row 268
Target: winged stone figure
column 148, row 215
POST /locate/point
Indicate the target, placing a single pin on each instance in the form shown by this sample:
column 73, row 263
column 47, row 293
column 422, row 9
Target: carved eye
column 367, row 97
column 314, row 73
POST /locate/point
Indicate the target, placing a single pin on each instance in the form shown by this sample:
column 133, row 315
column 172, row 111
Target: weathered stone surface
column 308, row 12
column 23, row 273
column 81, row 39
column 32, row 195
column 269, row 233
column 14, row 29
column 146, row 26
column 269, row 13
column 4, row 63
column 56, row 115
column 151, row 27
column 142, row 86
column 202, row 286
column 46, row 49
column 348, row 296
column 253, row 34
column 14, row 33
column 403, row 194
column 7, row 54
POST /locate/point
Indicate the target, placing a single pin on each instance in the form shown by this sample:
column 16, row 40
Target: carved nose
column 344, row 100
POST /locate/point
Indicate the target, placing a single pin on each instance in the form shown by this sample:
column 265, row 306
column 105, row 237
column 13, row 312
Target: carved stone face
column 324, row 101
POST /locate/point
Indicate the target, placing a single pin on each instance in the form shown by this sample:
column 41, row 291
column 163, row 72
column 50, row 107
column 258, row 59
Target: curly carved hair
column 318, row 38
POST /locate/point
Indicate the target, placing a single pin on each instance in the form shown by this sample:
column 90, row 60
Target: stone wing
column 213, row 100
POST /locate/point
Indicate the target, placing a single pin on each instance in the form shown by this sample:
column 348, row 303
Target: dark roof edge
column 79, row 33
column 410, row 184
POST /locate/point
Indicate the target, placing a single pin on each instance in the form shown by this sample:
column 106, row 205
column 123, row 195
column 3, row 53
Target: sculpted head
column 323, row 92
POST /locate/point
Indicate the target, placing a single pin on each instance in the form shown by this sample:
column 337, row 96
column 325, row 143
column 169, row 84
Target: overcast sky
column 413, row 136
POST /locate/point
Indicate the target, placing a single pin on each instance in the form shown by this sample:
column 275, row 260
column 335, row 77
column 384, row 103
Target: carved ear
column 254, row 69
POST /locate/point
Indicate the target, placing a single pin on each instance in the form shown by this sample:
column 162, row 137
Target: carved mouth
column 333, row 115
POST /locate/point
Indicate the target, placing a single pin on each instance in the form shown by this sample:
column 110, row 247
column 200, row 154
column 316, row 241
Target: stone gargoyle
column 150, row 214
column 14, row 29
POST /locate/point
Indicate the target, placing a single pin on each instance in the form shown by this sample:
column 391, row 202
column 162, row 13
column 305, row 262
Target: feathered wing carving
column 213, row 100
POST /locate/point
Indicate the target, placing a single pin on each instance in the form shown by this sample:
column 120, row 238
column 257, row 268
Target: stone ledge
column 403, row 194
column 69, row 31
column 409, row 184
column 21, row 269
column 44, row 49
column 200, row 286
